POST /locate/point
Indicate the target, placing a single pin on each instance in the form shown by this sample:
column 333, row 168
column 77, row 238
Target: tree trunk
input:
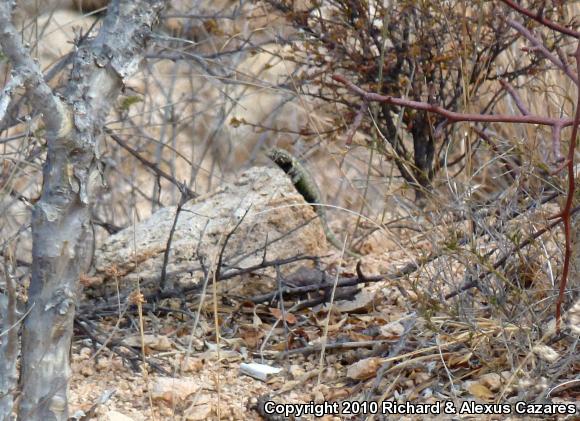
column 8, row 343
column 60, row 220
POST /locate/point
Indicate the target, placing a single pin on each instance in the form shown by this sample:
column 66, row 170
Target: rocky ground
column 145, row 354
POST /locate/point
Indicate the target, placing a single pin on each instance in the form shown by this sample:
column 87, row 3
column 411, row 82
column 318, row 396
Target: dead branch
column 149, row 164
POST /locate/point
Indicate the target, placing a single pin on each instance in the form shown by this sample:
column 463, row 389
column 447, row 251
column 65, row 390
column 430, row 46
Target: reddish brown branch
column 539, row 17
column 519, row 103
column 556, row 123
column 540, row 48
column 566, row 211
column 452, row 116
column 356, row 123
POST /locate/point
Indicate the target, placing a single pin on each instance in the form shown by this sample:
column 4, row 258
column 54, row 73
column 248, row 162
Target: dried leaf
column 491, row 381
column 461, row 360
column 156, row 342
column 277, row 313
column 364, row 369
column 392, row 330
column 251, row 335
column 480, row 391
column 546, row 353
column 363, row 300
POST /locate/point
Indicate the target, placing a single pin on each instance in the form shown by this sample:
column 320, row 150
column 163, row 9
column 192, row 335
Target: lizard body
column 306, row 186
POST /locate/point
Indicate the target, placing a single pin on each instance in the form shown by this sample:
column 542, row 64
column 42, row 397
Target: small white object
column 259, row 371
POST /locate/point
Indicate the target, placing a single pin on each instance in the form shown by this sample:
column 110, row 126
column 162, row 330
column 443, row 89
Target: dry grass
column 203, row 120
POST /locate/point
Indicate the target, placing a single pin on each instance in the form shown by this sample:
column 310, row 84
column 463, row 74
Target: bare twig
column 541, row 48
column 515, row 96
column 356, row 123
column 539, row 17
column 149, row 164
column 567, row 210
column 183, row 199
column 453, row 116
column 332, row 346
column 88, row 326
column 556, row 123
column 25, row 68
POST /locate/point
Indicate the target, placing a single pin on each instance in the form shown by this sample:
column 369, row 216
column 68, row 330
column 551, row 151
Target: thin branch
column 182, row 201
column 538, row 17
column 556, row 124
column 7, row 92
column 149, row 164
column 452, row 116
column 501, row 261
column 88, row 326
column 566, row 211
column 539, row 47
column 25, row 67
column 218, row 272
column 515, row 96
column 356, row 123
column 332, row 346
column 556, row 144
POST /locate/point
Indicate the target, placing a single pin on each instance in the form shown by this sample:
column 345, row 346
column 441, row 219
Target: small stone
column 173, row 390
column 87, row 369
column 491, row 380
column 114, row 416
column 191, row 365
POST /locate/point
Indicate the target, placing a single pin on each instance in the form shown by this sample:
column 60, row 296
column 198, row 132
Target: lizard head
column 281, row 158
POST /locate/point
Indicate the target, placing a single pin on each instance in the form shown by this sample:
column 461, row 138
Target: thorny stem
column 540, row 48
column 452, row 116
column 538, row 17
column 517, row 99
column 556, row 123
column 566, row 212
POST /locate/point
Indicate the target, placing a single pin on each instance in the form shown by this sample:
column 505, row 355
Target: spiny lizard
column 306, row 186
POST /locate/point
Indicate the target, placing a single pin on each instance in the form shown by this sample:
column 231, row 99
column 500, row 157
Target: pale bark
column 60, row 219
column 8, row 344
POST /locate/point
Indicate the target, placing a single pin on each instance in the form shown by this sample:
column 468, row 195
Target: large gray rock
column 274, row 209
